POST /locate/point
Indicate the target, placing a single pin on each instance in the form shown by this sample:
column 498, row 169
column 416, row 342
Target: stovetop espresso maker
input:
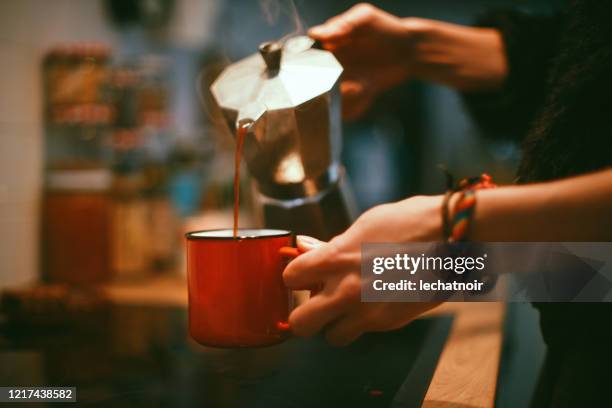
column 288, row 96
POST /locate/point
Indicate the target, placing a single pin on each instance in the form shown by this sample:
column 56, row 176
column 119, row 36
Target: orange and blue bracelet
column 456, row 230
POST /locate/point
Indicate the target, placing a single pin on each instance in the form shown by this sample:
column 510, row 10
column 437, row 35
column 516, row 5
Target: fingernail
column 317, row 30
column 309, row 242
column 321, row 31
column 283, row 326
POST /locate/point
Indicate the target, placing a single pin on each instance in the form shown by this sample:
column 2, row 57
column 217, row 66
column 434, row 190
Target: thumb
column 306, row 243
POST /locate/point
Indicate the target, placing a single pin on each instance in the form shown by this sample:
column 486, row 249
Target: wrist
column 465, row 58
column 458, row 206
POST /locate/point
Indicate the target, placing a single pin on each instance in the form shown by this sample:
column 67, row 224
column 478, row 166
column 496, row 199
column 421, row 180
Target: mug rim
column 274, row 233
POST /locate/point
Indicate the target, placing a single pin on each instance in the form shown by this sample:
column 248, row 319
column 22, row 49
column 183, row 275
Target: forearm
column 573, row 209
column 465, row 58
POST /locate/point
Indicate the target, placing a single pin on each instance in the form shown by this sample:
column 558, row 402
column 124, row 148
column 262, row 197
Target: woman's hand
column 573, row 209
column 334, row 267
column 373, row 46
column 379, row 51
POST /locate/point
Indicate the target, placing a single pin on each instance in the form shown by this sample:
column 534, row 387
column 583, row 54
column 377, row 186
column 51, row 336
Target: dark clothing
column 558, row 92
column 575, row 376
column 558, row 99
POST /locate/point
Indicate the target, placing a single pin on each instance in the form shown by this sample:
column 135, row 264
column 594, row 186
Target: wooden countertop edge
column 466, row 374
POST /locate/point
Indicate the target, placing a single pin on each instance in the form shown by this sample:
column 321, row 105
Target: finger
column 331, row 30
column 351, row 88
column 323, row 32
column 355, row 100
column 346, row 330
column 307, row 270
column 306, row 243
column 343, row 24
column 313, row 267
column 359, row 15
column 335, row 300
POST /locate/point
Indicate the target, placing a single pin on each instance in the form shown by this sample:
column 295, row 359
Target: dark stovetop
column 131, row 356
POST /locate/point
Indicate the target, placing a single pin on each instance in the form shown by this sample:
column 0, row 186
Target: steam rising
column 274, row 9
column 275, row 12
column 271, row 10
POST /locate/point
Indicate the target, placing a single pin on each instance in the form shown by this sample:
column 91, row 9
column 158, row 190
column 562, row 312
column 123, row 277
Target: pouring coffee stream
column 242, row 129
column 271, row 54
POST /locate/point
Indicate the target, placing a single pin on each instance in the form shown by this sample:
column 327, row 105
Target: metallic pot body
column 289, row 94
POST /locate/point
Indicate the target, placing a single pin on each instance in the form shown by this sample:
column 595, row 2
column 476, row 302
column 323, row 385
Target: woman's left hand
column 335, row 267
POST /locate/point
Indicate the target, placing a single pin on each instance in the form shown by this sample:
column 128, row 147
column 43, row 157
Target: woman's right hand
column 373, row 46
column 379, row 51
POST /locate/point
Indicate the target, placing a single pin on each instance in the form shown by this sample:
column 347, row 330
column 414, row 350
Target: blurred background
column 108, row 155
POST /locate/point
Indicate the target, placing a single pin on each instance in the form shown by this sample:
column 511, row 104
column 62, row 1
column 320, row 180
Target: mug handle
column 288, row 252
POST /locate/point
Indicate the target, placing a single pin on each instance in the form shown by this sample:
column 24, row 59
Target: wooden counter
column 466, row 374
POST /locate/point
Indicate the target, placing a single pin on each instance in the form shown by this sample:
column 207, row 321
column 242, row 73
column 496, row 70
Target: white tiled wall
column 27, row 28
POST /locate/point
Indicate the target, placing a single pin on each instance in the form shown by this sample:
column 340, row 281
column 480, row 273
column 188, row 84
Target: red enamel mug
column 237, row 297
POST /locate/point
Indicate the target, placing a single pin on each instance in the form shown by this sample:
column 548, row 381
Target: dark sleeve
column 530, row 43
